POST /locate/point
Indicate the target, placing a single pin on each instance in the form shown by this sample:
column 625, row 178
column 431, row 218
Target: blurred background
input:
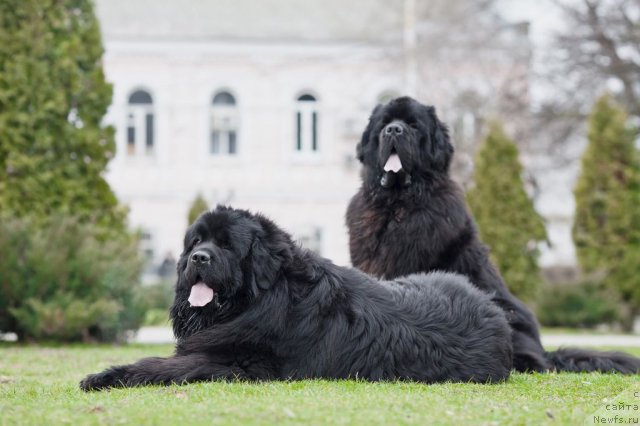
column 130, row 117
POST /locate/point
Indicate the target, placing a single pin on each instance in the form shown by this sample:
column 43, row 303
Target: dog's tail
column 529, row 354
column 584, row 360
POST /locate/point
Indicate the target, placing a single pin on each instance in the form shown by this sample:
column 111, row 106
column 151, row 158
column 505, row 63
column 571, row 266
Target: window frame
column 224, row 125
column 140, row 133
column 307, row 125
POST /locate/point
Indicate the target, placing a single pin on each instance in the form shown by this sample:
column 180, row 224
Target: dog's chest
column 382, row 230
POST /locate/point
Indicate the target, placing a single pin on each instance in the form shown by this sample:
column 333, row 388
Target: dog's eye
column 194, row 243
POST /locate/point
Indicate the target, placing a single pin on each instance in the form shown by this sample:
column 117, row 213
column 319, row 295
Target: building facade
column 260, row 104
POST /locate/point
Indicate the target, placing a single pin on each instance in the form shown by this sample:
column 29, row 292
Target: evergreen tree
column 53, row 96
column 508, row 223
column 606, row 228
column 63, row 240
column 198, row 206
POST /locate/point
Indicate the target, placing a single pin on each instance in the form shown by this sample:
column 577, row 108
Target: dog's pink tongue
column 393, row 164
column 200, row 295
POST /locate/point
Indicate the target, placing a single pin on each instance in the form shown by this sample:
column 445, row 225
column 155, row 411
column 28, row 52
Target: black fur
column 424, row 226
column 281, row 312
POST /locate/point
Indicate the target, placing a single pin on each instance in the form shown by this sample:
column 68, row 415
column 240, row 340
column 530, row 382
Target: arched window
column 224, row 125
column 306, row 124
column 140, row 123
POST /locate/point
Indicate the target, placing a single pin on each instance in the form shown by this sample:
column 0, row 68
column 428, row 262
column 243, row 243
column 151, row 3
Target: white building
column 260, row 104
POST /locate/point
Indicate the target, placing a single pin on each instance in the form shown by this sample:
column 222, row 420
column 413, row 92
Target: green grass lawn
column 570, row 331
column 38, row 386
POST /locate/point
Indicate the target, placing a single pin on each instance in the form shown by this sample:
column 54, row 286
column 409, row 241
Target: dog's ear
column 441, row 148
column 366, row 134
column 271, row 249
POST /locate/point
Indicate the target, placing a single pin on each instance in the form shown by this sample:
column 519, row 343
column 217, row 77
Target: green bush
column 580, row 305
column 507, row 220
column 68, row 281
column 606, row 227
column 157, row 317
column 64, row 317
column 157, row 299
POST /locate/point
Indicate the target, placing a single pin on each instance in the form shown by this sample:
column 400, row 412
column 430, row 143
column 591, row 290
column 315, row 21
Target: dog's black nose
column 200, row 257
column 393, row 129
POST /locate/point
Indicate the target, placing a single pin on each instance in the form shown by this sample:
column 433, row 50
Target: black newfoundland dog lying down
column 250, row 304
column 410, row 217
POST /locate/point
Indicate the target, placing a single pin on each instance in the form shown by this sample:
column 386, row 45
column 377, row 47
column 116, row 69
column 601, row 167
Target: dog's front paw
column 111, row 378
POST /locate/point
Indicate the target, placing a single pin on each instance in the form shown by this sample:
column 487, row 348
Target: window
column 146, row 245
column 466, row 126
column 224, row 125
column 465, row 131
column 140, row 124
column 468, row 120
column 306, row 124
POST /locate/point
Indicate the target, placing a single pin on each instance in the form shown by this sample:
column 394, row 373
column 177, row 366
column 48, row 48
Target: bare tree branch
column 598, row 50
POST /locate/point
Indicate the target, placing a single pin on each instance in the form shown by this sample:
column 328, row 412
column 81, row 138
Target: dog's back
column 428, row 327
column 457, row 322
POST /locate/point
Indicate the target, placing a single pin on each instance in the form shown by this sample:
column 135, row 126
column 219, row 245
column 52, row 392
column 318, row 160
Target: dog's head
column 230, row 256
column 404, row 142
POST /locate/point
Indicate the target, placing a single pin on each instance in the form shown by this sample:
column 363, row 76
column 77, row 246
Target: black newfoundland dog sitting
column 250, row 304
column 410, row 217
